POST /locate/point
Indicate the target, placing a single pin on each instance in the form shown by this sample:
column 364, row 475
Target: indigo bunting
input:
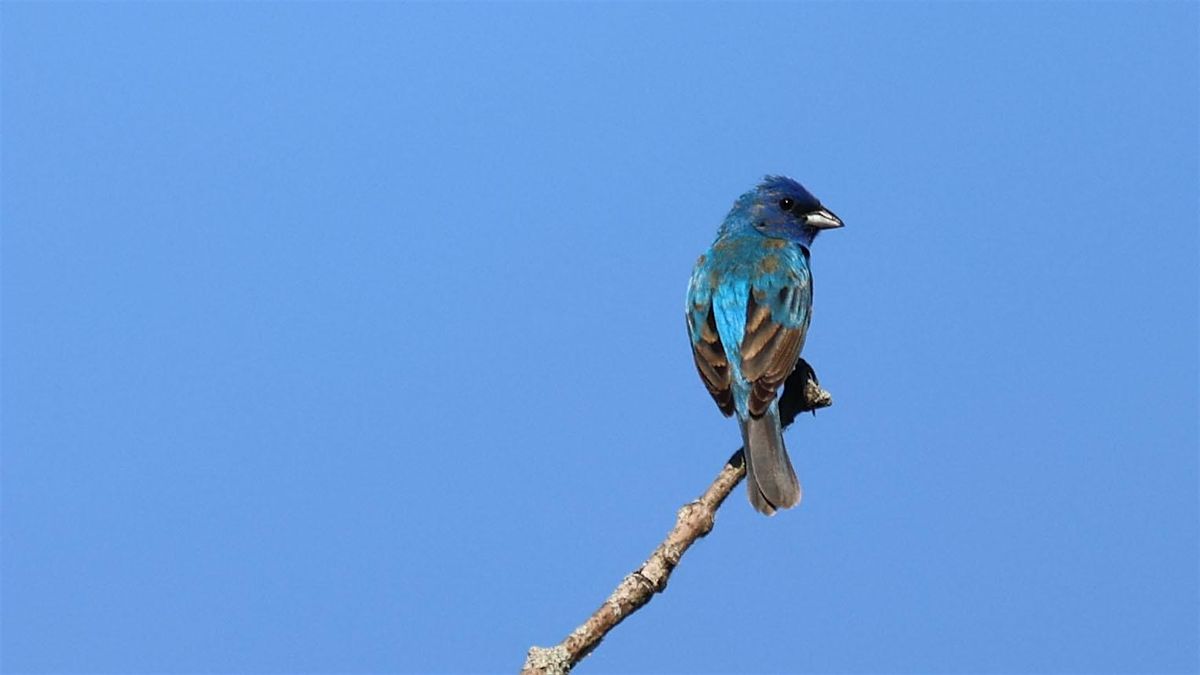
column 748, row 307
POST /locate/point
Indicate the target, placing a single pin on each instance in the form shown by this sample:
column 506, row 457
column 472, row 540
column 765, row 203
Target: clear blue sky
column 350, row 337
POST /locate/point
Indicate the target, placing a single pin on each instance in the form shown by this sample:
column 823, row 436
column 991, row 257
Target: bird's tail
column 770, row 479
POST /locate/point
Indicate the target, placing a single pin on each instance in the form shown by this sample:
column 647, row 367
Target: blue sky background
column 349, row 338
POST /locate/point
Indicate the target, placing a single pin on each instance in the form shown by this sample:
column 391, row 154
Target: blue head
column 779, row 208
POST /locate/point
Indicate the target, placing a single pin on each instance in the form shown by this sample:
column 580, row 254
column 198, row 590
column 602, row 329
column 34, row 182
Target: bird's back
column 741, row 272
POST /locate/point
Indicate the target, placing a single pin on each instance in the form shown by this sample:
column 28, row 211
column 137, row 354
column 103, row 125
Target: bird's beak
column 822, row 220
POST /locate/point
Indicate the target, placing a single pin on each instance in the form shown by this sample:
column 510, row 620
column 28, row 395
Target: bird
column 749, row 303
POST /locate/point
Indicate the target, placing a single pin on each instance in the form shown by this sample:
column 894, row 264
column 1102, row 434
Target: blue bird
column 748, row 307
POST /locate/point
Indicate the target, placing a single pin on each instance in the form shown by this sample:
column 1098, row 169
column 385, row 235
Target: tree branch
column 802, row 393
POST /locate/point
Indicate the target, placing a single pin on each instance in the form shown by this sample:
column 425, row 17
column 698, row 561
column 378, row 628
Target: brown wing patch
column 760, row 331
column 769, row 353
column 713, row 365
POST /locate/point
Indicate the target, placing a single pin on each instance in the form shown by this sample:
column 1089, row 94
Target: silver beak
column 822, row 220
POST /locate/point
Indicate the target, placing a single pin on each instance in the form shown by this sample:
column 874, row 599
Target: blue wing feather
column 755, row 294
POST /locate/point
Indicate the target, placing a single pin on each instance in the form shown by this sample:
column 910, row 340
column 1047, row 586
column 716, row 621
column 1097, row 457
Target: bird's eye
column 786, row 204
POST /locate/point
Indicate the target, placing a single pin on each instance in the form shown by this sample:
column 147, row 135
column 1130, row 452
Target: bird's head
column 780, row 208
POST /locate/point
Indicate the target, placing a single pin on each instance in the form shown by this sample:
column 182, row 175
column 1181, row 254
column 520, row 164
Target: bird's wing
column 707, row 350
column 777, row 315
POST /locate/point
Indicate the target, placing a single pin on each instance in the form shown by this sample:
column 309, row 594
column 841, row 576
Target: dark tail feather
column 770, row 479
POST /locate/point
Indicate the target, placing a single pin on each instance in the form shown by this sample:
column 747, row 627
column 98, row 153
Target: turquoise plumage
column 748, row 309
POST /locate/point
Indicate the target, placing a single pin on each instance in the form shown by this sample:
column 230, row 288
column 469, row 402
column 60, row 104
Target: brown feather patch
column 712, row 364
column 769, row 351
column 754, row 344
column 756, row 314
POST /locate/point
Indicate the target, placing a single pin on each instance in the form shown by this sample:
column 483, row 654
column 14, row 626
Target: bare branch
column 802, row 393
